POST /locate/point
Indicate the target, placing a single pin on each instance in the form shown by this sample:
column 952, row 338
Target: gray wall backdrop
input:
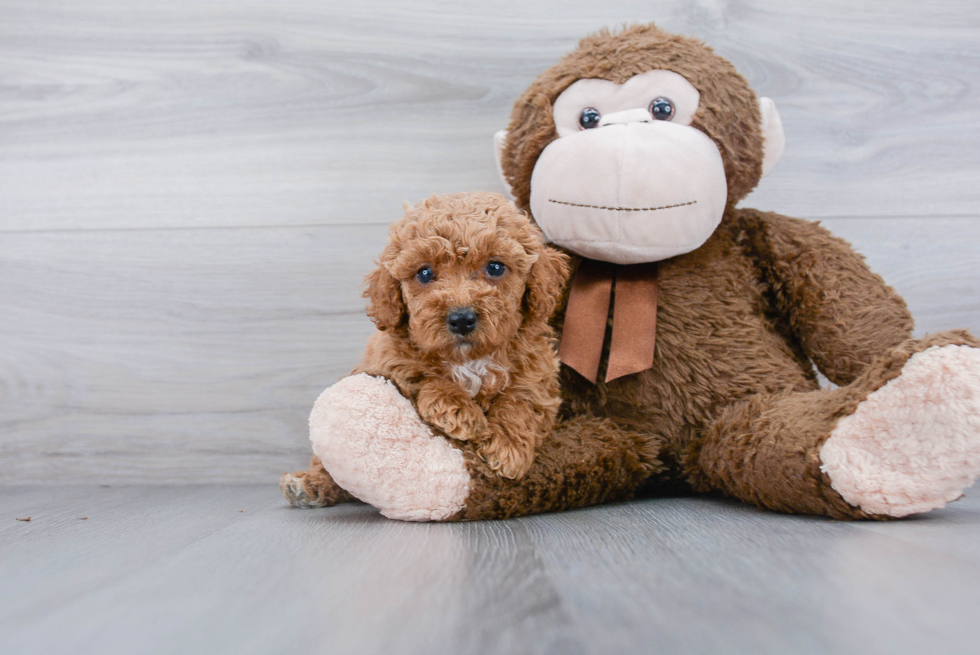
column 192, row 190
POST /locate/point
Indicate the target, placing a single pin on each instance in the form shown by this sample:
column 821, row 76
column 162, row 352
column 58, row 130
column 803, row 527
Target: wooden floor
column 233, row 569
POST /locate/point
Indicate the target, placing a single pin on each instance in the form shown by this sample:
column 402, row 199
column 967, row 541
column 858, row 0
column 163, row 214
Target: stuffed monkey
column 691, row 329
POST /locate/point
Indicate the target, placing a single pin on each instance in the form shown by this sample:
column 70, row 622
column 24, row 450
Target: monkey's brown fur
column 728, row 112
column 732, row 402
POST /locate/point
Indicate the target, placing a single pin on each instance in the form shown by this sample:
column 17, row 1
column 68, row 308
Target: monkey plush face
column 629, row 180
column 630, row 149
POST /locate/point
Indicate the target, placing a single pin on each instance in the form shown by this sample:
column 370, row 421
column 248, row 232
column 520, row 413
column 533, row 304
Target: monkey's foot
column 374, row 445
column 914, row 444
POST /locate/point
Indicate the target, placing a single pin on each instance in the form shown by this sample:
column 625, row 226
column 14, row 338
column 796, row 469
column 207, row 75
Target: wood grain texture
column 215, row 113
column 195, row 355
column 231, row 569
column 191, row 192
column 174, row 354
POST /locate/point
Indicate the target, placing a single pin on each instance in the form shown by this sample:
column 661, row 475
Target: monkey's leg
column 312, row 488
column 584, row 461
column 373, row 443
column 903, row 438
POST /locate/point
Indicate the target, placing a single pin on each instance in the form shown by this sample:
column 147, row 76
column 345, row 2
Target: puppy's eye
column 662, row 109
column 589, row 118
column 425, row 275
column 495, row 269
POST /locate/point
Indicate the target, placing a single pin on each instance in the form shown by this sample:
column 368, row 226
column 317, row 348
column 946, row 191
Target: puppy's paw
column 507, row 457
column 293, row 487
column 459, row 421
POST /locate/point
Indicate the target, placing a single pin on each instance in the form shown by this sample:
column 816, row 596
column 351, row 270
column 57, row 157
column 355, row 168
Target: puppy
column 461, row 298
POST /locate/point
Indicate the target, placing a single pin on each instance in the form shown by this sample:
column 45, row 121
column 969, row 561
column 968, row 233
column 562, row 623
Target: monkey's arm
column 842, row 313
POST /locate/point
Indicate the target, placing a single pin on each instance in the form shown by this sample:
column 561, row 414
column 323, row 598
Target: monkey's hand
column 447, row 409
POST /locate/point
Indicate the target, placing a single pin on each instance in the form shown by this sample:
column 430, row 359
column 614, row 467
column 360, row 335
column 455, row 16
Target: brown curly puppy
column 462, row 299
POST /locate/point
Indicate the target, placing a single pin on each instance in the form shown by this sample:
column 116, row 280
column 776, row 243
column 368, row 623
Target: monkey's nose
column 462, row 321
column 625, row 117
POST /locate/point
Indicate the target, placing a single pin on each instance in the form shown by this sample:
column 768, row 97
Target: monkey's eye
column 495, row 269
column 425, row 275
column 589, row 118
column 662, row 109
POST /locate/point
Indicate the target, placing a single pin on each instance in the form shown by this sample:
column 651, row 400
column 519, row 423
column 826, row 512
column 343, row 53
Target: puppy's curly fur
column 496, row 384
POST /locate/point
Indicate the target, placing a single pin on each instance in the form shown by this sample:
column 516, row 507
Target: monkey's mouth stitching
column 623, row 209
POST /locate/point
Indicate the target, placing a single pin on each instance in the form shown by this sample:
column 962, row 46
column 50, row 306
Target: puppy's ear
column 545, row 283
column 386, row 307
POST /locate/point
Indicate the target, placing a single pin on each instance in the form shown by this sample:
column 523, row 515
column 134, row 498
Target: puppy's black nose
column 462, row 321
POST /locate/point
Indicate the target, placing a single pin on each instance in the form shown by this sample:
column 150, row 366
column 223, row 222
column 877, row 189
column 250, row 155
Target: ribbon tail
column 585, row 318
column 634, row 332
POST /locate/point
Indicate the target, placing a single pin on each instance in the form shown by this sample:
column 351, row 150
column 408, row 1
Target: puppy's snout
column 462, row 320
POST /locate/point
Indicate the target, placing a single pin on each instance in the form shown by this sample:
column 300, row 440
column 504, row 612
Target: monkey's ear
column 386, row 307
column 545, row 284
column 773, row 139
column 498, row 150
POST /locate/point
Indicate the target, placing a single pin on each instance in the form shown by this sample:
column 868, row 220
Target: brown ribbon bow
column 634, row 329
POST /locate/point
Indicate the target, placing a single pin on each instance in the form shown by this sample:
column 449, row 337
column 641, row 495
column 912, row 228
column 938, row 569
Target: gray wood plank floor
column 232, row 569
